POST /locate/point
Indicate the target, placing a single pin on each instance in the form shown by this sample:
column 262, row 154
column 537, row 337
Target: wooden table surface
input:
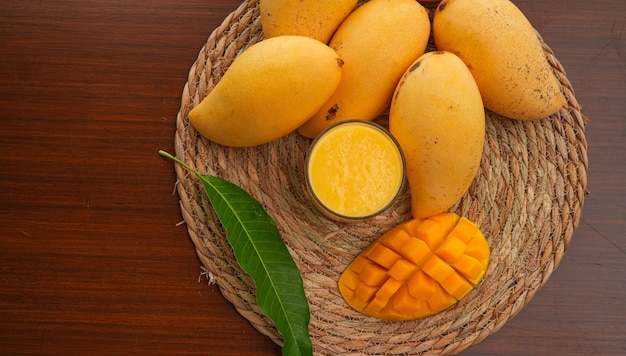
column 93, row 259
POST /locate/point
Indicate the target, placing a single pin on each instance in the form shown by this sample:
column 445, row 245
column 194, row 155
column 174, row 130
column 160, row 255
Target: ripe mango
column 377, row 42
column 417, row 269
column 314, row 18
column 438, row 118
column 503, row 52
column 269, row 90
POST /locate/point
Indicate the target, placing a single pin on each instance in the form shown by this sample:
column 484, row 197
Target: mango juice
column 354, row 170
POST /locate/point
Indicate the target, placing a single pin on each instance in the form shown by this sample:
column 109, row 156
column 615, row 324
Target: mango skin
column 437, row 116
column 377, row 42
column 317, row 19
column 269, row 90
column 501, row 48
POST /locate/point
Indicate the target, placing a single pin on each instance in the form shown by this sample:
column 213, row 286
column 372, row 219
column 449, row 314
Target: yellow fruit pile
column 327, row 61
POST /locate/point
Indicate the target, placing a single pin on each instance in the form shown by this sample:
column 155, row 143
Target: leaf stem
column 175, row 159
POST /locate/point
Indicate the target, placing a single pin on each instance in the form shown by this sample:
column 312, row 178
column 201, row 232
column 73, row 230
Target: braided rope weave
column 527, row 198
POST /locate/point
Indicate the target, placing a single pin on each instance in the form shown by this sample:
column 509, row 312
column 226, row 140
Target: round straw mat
column 527, row 199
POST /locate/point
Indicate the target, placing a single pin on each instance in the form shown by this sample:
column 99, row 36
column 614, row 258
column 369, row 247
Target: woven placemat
column 527, row 198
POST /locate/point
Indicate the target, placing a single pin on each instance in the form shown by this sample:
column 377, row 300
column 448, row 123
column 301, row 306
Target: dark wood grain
column 92, row 257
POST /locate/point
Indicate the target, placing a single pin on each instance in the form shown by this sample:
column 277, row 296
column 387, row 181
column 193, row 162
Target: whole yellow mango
column 503, row 52
column 438, row 118
column 317, row 19
column 269, row 90
column 377, row 42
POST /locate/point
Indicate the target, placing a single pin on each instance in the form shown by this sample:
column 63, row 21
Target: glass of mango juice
column 355, row 170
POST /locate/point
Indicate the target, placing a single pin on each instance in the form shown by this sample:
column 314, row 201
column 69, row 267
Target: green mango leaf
column 262, row 254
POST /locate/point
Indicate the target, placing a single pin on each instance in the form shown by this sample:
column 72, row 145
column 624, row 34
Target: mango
column 438, row 118
column 269, row 90
column 317, row 19
column 377, row 42
column 503, row 52
column 417, row 269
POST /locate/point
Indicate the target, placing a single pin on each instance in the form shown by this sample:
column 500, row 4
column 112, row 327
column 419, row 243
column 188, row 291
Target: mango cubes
column 417, row 269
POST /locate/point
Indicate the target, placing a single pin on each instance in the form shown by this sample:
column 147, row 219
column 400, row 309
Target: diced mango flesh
column 383, row 255
column 364, row 292
column 421, row 286
column 456, row 285
column 437, row 269
column 469, row 267
column 451, row 249
column 388, row 289
column 373, row 274
column 401, row 270
column 416, row 251
column 417, row 269
column 403, row 302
